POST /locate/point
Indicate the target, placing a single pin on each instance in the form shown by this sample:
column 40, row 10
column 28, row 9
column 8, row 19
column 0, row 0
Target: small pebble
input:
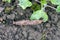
column 1, row 9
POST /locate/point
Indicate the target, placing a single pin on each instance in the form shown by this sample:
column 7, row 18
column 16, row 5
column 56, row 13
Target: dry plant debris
column 28, row 22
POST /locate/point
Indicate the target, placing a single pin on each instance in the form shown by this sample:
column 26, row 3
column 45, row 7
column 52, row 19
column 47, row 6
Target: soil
column 49, row 30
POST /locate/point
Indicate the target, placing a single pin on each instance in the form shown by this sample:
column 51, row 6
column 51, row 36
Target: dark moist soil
column 49, row 30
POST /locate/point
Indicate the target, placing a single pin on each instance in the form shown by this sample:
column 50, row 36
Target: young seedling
column 37, row 13
column 40, row 13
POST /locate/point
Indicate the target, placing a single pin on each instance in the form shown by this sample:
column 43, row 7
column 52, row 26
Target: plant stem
column 48, row 5
column 51, row 7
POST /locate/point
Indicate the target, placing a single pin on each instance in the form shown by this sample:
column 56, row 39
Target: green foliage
column 39, row 9
column 39, row 14
column 55, row 2
column 58, row 9
column 35, row 6
column 9, row 1
column 24, row 3
column 43, row 2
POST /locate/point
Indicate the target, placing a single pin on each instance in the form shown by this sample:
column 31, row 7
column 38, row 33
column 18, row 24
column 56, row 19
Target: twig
column 28, row 22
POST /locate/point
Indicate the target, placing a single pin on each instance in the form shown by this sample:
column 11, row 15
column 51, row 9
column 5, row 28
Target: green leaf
column 55, row 2
column 58, row 9
column 24, row 3
column 43, row 2
column 39, row 14
column 45, row 17
column 9, row 1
